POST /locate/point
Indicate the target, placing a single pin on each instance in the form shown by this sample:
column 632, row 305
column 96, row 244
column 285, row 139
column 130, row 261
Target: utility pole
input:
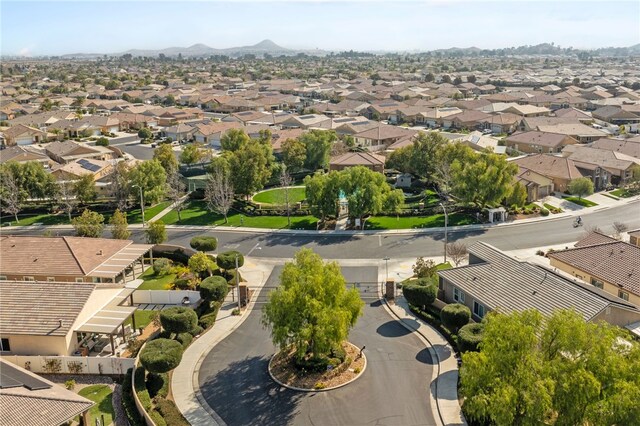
column 386, row 264
column 238, row 283
column 446, row 220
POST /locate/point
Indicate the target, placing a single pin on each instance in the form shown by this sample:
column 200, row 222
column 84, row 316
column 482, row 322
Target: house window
column 4, row 345
column 29, row 279
column 623, row 295
column 478, row 309
column 79, row 280
column 458, row 295
column 597, row 283
column 51, row 279
column 3, row 277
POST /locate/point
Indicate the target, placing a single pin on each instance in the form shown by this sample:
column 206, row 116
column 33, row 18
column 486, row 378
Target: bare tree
column 285, row 183
column 219, row 192
column 66, row 197
column 619, row 228
column 119, row 185
column 175, row 191
column 457, row 251
column 10, row 195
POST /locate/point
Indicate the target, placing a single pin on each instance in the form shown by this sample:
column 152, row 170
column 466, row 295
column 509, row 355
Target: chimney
column 59, row 323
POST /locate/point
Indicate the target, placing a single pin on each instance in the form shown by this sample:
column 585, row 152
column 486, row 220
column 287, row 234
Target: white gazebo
column 498, row 214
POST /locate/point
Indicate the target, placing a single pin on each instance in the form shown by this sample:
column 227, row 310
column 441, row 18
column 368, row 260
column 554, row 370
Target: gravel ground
column 82, row 380
column 120, row 419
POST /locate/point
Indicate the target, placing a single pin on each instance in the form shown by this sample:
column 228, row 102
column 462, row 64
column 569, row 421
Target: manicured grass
column 196, row 213
column 409, row 222
column 143, row 318
column 552, row 209
column 101, row 395
column 133, row 216
column 581, row 201
column 443, row 266
column 624, row 193
column 151, row 282
column 610, row 196
column 276, row 196
column 428, row 197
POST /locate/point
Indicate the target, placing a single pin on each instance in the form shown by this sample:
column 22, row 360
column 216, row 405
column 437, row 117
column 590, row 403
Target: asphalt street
column 373, row 246
column 393, row 390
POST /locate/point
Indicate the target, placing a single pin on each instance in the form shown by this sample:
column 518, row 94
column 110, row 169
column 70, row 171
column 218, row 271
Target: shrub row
column 141, row 388
column 208, row 314
column 470, row 336
column 204, row 243
column 178, row 319
column 214, row 289
column 170, row 412
column 177, row 255
column 158, row 384
column 128, row 403
column 185, row 339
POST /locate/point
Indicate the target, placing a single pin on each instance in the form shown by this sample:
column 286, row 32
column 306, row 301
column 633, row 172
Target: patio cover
column 108, row 319
column 119, row 261
column 634, row 328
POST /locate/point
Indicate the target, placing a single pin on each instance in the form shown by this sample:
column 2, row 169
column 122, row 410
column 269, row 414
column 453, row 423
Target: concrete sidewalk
column 444, row 384
column 184, row 380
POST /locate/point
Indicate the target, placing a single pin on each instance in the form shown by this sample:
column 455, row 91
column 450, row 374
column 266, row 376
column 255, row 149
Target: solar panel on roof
column 11, row 377
column 304, row 117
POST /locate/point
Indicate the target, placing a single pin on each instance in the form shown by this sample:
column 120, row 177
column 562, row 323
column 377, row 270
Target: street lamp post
column 386, row 264
column 446, row 222
column 238, row 284
column 141, row 201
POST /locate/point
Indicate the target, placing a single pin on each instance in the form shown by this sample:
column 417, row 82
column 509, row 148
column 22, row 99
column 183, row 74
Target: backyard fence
column 71, row 364
column 165, row 297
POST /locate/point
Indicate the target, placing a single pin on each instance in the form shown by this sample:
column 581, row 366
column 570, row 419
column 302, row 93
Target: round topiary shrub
column 161, row 355
column 214, row 288
column 185, row 339
column 227, row 260
column 162, row 266
column 470, row 336
column 230, row 276
column 419, row 295
column 544, row 212
column 204, row 243
column 178, row 319
column 454, row 316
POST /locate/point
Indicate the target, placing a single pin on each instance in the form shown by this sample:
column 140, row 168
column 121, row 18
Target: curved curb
column 318, row 390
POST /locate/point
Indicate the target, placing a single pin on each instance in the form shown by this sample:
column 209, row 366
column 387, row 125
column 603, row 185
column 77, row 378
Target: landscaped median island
column 310, row 315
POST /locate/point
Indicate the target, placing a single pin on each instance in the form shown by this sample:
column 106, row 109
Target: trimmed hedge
column 157, row 418
column 208, row 315
column 178, row 319
column 227, row 260
column 158, row 384
column 185, row 339
column 455, row 315
column 177, row 255
column 162, row 266
column 204, row 243
column 196, row 331
column 230, row 275
column 470, row 336
column 170, row 412
column 214, row 289
column 128, row 403
column 161, row 355
column 419, row 295
column 141, row 388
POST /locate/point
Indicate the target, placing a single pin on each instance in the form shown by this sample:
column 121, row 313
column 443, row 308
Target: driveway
column 393, row 390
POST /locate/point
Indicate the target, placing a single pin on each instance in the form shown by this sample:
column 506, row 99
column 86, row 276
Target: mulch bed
column 284, row 370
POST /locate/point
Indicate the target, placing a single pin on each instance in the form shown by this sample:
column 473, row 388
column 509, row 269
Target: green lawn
column 133, row 216
column 428, row 197
column 624, row 193
column 196, row 214
column 151, row 282
column 552, row 209
column 276, row 196
column 143, row 318
column 101, row 395
column 581, row 201
column 409, row 222
column 443, row 266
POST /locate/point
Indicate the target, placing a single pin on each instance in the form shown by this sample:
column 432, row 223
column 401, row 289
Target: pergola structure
column 117, row 265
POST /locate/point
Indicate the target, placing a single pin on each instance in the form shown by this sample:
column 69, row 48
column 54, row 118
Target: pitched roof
column 615, row 262
column 550, row 165
column 501, row 282
column 594, row 238
column 48, row 405
column 358, row 159
column 535, row 137
column 22, row 153
column 55, row 256
column 610, row 160
column 623, row 146
column 41, row 308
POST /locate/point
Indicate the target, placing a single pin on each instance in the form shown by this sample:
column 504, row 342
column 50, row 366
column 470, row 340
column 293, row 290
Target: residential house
column 251, row 117
column 582, row 133
column 351, row 159
column 532, row 123
column 469, row 119
column 77, row 169
column 133, row 121
column 615, row 115
column 503, row 122
column 574, row 113
column 56, row 319
column 604, row 167
column 604, row 262
column 538, row 186
column 24, row 154
column 23, row 135
column 634, row 237
column 528, row 110
column 67, row 151
column 433, row 117
column 309, row 121
column 533, row 142
column 382, row 136
column 560, row 170
column 69, row 259
column 179, row 132
column 29, row 399
column 385, row 110
column 495, row 281
column 210, row 134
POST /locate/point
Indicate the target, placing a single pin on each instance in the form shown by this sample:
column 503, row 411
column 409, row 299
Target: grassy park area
column 413, row 222
column 277, row 195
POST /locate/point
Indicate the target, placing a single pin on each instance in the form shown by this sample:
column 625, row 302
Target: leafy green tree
column 446, row 155
column 518, row 195
column 424, row 268
column 119, row 187
column 151, row 177
column 294, row 154
column 249, row 168
column 32, row 179
column 85, row 189
column 164, row 154
column 156, row 232
column 118, row 222
column 322, row 192
column 102, row 141
column 419, row 158
column 366, row 191
column 234, row 140
column 11, row 195
column 145, row 133
column 483, row 182
column 318, row 145
column 88, row 224
column 191, row 154
column 161, row 355
column 311, row 309
column 200, row 263
column 581, row 187
column 204, row 243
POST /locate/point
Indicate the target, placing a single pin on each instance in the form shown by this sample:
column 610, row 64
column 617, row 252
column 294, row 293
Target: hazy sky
column 56, row 27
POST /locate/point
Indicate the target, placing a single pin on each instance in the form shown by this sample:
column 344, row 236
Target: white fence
column 71, row 364
column 165, row 297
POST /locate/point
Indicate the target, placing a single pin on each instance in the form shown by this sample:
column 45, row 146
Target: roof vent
column 60, row 323
column 100, row 252
column 534, row 292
